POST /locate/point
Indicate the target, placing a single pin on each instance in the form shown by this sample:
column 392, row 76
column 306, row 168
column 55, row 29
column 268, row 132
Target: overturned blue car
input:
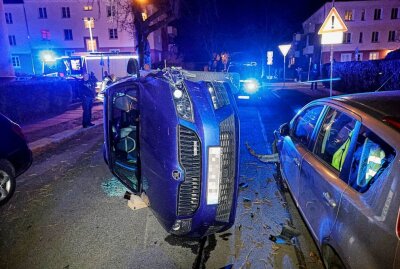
column 174, row 137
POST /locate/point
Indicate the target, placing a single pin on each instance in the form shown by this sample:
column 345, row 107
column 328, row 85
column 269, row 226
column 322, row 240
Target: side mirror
column 284, row 129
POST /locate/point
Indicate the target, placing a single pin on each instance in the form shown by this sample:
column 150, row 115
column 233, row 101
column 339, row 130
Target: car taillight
column 398, row 225
column 393, row 122
column 17, row 130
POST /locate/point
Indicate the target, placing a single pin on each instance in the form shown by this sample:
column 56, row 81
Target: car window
column 334, row 138
column 370, row 159
column 305, row 123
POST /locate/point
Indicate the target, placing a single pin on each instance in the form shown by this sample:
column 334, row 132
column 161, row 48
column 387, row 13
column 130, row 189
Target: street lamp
column 284, row 50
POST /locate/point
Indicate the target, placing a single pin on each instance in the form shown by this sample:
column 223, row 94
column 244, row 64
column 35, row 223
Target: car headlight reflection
column 182, row 101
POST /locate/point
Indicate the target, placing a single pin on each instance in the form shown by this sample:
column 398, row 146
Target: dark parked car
column 15, row 157
column 339, row 158
column 176, row 141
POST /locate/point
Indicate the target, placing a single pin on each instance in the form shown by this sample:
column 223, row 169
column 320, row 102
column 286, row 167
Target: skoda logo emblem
column 176, row 174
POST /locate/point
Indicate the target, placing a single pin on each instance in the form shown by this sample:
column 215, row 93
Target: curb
column 40, row 146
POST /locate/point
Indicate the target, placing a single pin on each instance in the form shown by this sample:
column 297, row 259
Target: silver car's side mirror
column 284, row 129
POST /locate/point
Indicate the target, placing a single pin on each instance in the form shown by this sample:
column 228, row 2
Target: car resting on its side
column 176, row 140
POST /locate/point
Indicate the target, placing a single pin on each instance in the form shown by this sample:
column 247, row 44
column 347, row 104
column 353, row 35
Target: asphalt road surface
column 68, row 211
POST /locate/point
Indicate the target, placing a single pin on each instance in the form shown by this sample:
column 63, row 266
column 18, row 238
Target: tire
column 331, row 259
column 7, row 181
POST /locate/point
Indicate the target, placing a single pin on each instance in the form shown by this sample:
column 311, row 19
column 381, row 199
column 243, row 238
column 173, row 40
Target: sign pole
column 331, row 80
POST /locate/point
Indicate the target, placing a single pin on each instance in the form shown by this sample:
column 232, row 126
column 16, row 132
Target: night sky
column 252, row 25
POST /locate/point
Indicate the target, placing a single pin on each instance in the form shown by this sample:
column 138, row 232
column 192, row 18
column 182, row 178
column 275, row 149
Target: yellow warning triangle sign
column 333, row 23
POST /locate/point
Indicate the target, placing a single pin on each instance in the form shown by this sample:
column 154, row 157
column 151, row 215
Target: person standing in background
column 87, row 95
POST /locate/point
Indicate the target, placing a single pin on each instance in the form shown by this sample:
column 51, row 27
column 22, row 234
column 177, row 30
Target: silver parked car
column 339, row 157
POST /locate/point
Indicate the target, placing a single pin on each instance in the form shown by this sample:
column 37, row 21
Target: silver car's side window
column 305, row 124
column 370, row 159
column 334, row 138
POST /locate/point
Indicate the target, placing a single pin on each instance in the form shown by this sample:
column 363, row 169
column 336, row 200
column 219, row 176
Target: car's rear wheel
column 331, row 259
column 7, row 181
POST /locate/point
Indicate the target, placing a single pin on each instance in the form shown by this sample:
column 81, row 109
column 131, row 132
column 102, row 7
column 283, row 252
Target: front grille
column 190, row 160
column 221, row 94
column 228, row 166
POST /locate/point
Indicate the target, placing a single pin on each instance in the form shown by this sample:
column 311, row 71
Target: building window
column 346, row 38
column 363, row 15
column 348, row 15
column 68, row 34
column 88, row 8
column 11, row 40
column 111, row 11
column 395, row 13
column 378, row 14
column 360, row 38
column 91, row 44
column 42, row 13
column 359, row 56
column 113, row 33
column 392, row 36
column 45, row 34
column 345, row 57
column 89, row 22
column 65, row 12
column 374, row 55
column 15, row 61
column 9, row 19
column 375, row 37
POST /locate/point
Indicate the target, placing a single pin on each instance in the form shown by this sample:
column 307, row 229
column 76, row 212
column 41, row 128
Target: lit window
column 345, row 57
column 348, row 15
column 395, row 13
column 144, row 16
column 111, row 11
column 378, row 14
column 374, row 55
column 9, row 19
column 89, row 22
column 346, row 38
column 15, row 61
column 42, row 13
column 91, row 45
column 375, row 37
column 392, row 36
column 68, row 34
column 12, row 40
column 45, row 34
column 65, row 12
column 113, row 33
column 87, row 8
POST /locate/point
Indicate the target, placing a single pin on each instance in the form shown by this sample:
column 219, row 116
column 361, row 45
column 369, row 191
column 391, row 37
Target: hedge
column 364, row 76
column 23, row 101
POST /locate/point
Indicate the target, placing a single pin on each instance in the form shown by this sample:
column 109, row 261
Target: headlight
column 251, row 86
column 213, row 95
column 182, row 101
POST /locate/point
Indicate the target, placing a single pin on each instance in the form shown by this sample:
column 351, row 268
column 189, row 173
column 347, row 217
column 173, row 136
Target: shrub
column 364, row 76
column 26, row 100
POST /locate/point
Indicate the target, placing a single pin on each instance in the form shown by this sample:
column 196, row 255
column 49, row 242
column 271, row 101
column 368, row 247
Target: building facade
column 373, row 32
column 39, row 28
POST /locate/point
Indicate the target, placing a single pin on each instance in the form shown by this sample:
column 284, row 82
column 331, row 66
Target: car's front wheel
column 7, row 181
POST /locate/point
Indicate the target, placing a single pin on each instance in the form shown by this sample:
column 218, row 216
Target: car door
column 295, row 145
column 121, row 133
column 322, row 171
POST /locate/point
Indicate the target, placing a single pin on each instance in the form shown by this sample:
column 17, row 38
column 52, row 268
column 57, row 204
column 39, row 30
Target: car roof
column 376, row 104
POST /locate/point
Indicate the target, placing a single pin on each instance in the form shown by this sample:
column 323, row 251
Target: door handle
column 329, row 199
column 296, row 162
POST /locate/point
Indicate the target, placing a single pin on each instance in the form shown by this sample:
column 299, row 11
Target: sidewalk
column 304, row 87
column 47, row 133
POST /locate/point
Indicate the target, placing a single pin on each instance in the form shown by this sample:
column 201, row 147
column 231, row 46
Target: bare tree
column 129, row 16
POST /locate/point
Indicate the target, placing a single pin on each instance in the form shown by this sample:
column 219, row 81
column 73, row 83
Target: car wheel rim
column 5, row 185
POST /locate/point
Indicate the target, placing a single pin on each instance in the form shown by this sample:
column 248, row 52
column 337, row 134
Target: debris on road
column 286, row 236
column 265, row 158
column 243, row 185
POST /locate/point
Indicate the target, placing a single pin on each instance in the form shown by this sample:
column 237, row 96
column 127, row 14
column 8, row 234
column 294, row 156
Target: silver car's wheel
column 7, row 182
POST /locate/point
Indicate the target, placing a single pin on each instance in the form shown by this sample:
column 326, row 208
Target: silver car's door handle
column 329, row 199
column 296, row 162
